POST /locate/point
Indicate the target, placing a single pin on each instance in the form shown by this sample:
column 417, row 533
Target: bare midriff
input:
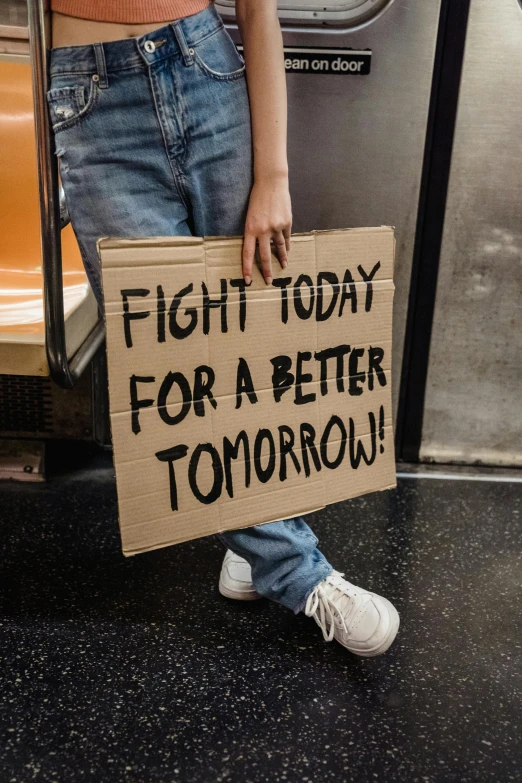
column 72, row 31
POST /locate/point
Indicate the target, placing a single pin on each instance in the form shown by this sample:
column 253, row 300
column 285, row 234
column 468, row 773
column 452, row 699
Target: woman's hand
column 269, row 220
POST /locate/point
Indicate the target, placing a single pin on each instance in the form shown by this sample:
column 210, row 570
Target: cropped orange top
column 129, row 11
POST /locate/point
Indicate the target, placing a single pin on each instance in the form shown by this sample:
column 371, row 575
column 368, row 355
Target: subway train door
column 473, row 400
column 359, row 76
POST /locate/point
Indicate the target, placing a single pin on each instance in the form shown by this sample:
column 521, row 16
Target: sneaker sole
column 388, row 639
column 238, row 596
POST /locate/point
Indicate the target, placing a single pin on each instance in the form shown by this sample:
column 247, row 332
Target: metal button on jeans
column 149, row 46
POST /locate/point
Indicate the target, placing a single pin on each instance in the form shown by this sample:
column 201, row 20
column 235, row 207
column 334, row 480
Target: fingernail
column 284, row 264
column 247, row 280
column 268, row 281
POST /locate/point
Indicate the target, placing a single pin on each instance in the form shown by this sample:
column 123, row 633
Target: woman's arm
column 269, row 216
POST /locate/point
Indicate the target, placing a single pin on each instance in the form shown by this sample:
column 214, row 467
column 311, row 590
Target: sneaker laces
column 321, row 605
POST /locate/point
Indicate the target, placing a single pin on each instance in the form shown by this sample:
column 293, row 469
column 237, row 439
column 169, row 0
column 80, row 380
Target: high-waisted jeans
column 153, row 138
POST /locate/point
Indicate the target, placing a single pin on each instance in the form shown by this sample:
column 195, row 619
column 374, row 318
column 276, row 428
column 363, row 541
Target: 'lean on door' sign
column 234, row 405
column 321, row 59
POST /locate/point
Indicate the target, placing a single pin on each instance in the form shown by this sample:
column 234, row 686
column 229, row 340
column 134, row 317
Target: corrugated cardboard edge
column 179, row 241
column 303, row 512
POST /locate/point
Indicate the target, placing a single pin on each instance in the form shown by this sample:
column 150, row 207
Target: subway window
column 345, row 13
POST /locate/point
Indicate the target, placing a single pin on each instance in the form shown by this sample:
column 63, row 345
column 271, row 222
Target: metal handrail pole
column 63, row 373
column 83, row 356
column 49, row 204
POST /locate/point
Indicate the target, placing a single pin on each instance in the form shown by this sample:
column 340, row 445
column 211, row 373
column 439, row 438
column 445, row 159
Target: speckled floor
column 138, row 670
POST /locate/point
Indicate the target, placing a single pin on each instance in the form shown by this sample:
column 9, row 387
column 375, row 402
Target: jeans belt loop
column 182, row 42
column 101, row 66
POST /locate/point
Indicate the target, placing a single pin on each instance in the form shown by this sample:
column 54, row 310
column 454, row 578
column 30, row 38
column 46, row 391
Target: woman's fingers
column 280, row 248
column 265, row 254
column 279, row 241
column 286, row 234
column 249, row 249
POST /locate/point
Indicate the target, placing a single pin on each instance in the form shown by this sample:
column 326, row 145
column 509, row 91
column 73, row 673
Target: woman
column 157, row 135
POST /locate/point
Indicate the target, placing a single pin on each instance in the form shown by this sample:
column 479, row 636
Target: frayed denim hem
column 328, row 569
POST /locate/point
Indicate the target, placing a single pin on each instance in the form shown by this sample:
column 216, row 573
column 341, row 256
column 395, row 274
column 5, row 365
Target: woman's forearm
column 265, row 71
column 269, row 217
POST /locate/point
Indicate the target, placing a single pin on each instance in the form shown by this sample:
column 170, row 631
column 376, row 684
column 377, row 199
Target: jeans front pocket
column 70, row 99
column 218, row 57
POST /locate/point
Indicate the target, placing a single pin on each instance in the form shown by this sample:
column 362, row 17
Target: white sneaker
column 363, row 622
column 235, row 580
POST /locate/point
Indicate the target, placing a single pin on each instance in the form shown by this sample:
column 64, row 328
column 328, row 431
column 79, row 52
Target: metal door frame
column 449, row 58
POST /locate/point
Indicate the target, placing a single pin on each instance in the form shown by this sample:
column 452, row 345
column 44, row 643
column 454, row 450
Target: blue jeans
column 153, row 137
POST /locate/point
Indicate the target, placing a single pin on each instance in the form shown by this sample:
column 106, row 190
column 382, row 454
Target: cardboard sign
column 233, row 405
